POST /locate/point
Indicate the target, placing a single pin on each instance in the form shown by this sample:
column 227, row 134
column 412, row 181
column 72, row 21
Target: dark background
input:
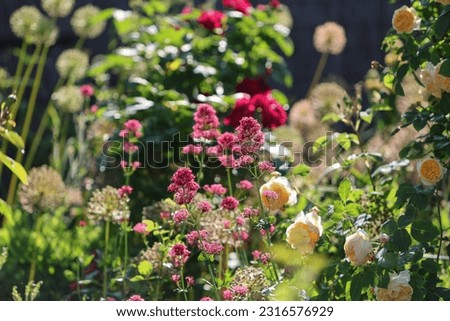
column 366, row 22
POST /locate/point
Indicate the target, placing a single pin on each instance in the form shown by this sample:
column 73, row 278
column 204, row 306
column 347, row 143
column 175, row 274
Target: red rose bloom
column 238, row 5
column 242, row 108
column 275, row 3
column 273, row 114
column 253, row 86
column 211, row 19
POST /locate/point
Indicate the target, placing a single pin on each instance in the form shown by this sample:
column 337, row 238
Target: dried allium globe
column 68, row 99
column 57, row 8
column 106, row 204
column 25, row 22
column 83, row 25
column 45, row 190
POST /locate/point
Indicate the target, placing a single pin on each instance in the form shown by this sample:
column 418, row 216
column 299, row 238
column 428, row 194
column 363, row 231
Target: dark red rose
column 211, row 19
column 238, row 5
column 242, row 108
column 253, row 86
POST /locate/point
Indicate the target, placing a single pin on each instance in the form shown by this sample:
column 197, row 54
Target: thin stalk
column 230, row 185
column 440, row 227
column 79, row 43
column 105, row 259
column 28, row 118
column 183, row 285
column 125, row 256
column 318, row 73
column 36, row 141
column 20, row 63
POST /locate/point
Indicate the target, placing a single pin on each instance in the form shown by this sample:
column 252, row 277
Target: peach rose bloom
column 280, row 194
column 431, row 171
column 303, row 234
column 358, row 248
column 398, row 288
column 405, row 20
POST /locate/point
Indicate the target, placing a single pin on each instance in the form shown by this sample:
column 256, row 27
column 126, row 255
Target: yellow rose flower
column 358, row 248
column 431, row 171
column 398, row 288
column 405, row 20
column 303, row 234
column 277, row 193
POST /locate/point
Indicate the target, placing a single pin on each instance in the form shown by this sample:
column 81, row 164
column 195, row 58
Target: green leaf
column 150, row 225
column 389, row 227
column 145, row 268
column 445, row 68
column 366, row 116
column 301, row 169
column 280, row 97
column 137, row 278
column 5, row 209
column 13, row 138
column 401, row 239
column 15, row 167
column 430, row 265
column 344, row 189
column 424, row 231
column 356, row 287
column 442, row 24
column 388, row 260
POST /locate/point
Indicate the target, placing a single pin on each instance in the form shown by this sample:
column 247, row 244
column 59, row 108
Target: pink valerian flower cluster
column 206, row 298
column 262, row 257
column 193, row 237
column 141, row 228
column 192, row 149
column 212, row 248
column 204, row 206
column 132, row 128
column 251, row 139
column 125, row 190
column 211, row 19
column 266, row 167
column 87, row 90
column 243, row 6
column 275, row 3
column 180, row 216
column 135, row 297
column 237, row 292
column 250, row 212
column 183, row 186
column 244, row 185
column 206, row 123
column 229, row 203
column 133, row 165
column 216, row 189
column 224, row 150
column 179, row 254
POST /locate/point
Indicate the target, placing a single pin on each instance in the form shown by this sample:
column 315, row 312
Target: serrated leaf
column 15, row 167
column 344, row 189
column 145, row 268
column 301, row 169
column 424, row 231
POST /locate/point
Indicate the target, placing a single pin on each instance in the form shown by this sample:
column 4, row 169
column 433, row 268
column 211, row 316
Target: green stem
column 230, row 185
column 36, row 141
column 440, row 227
column 20, row 93
column 318, row 73
column 183, row 285
column 28, row 118
column 125, row 257
column 105, row 259
column 19, row 69
column 79, row 43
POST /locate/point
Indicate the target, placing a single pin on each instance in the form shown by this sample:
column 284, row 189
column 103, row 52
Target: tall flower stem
column 441, row 236
column 20, row 63
column 105, row 259
column 318, row 73
column 29, row 117
column 183, row 285
column 20, row 93
column 230, row 185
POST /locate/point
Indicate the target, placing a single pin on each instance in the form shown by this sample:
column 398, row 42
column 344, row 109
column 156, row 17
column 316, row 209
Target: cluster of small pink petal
column 190, row 281
column 270, row 195
column 271, row 230
column 141, row 228
column 266, row 167
column 183, row 186
column 241, row 235
column 206, row 123
column 212, row 248
column 229, row 203
column 204, row 206
column 217, row 189
column 249, row 136
column 239, row 290
column 240, row 221
column 262, row 257
column 125, row 190
column 135, row 297
column 192, row 149
column 227, row 295
column 87, row 90
column 165, row 215
column 180, row 216
column 250, row 212
column 193, row 237
column 243, row 161
column 132, row 127
column 133, row 165
column 130, row 148
column 226, row 224
column 245, row 185
column 206, row 298
column 179, row 254
column 175, row 278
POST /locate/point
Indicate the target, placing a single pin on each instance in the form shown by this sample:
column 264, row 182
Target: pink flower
column 273, row 114
column 226, row 160
column 240, row 220
column 141, row 228
column 211, row 19
column 271, row 230
column 244, row 236
column 193, row 237
column 226, row 140
column 245, row 185
column 179, row 254
column 206, row 298
column 192, row 149
column 125, row 190
column 265, row 258
column 226, row 224
column 82, row 223
column 135, row 297
column 227, row 295
column 216, row 189
column 240, row 290
column 86, row 90
column 253, row 86
column 266, row 167
column 165, row 215
column 123, row 164
column 212, row 248
column 204, row 206
column 243, row 161
column 180, row 216
column 256, row 255
column 93, row 108
column 189, row 280
column 135, row 165
column 175, row 278
column 249, row 136
column 206, row 123
column 229, row 203
column 133, row 125
column 238, row 5
column 183, row 186
column 186, row 10
column 275, row 3
column 270, row 195
column 130, row 148
column 242, row 108
column 124, row 133
column 250, row 212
